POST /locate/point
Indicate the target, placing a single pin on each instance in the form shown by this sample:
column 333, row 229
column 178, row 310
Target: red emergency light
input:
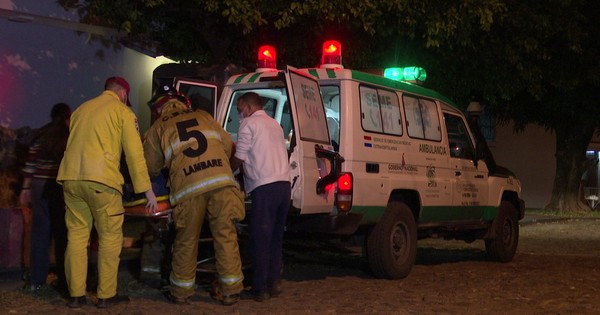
column 331, row 55
column 267, row 58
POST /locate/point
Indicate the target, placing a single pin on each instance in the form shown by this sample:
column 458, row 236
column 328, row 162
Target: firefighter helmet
column 163, row 95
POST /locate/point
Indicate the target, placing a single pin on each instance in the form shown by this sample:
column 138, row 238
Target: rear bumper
column 343, row 224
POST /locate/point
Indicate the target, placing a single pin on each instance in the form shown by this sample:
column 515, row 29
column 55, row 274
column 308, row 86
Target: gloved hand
column 152, row 204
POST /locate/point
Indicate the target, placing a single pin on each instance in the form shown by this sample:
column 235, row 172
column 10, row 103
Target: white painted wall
column 41, row 65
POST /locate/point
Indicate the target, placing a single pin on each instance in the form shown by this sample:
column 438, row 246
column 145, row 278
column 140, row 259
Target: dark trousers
column 47, row 223
column 270, row 204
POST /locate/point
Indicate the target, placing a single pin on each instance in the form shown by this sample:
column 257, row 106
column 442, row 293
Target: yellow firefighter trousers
column 93, row 203
column 223, row 207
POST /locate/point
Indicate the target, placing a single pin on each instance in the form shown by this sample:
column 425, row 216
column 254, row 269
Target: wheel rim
column 398, row 241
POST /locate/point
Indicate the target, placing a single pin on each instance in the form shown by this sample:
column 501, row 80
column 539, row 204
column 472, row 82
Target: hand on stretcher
column 140, row 207
column 152, row 203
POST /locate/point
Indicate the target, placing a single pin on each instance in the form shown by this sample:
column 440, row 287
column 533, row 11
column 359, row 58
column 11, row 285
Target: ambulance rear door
column 202, row 94
column 314, row 166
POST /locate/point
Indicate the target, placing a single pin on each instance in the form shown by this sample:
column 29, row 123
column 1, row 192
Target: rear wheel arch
column 411, row 198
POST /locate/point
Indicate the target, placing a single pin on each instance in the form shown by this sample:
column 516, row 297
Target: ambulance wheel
column 505, row 234
column 392, row 243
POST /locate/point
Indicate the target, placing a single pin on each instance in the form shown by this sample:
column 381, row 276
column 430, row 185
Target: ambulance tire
column 392, row 243
column 505, row 234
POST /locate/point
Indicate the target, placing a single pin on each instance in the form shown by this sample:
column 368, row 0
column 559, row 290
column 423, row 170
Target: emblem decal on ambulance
column 368, row 144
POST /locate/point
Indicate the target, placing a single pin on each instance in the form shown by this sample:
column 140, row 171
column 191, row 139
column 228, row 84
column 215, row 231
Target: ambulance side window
column 369, row 106
column 422, row 120
column 458, row 137
column 390, row 112
column 269, row 106
column 380, row 111
column 286, row 119
column 331, row 101
column 232, row 122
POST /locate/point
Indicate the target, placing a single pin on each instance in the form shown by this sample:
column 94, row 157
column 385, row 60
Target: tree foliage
column 213, row 30
column 529, row 61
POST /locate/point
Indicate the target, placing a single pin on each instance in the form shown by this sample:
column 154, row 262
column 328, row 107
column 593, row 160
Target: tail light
column 344, row 192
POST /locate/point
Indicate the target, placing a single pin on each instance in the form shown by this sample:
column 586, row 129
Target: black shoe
column 176, row 300
column 110, row 302
column 258, row 296
column 76, row 302
column 225, row 299
column 275, row 289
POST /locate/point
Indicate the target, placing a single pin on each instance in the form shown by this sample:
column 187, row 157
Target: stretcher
column 157, row 241
column 137, row 207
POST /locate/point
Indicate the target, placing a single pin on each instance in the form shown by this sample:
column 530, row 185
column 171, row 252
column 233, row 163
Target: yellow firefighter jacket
column 193, row 146
column 101, row 130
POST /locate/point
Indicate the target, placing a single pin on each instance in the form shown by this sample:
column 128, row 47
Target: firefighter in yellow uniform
column 101, row 129
column 196, row 150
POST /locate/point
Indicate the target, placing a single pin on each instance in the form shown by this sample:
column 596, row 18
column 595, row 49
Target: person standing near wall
column 262, row 151
column 100, row 130
column 196, row 151
column 44, row 195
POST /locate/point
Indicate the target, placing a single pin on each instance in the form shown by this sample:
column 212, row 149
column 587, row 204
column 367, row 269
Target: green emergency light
column 414, row 74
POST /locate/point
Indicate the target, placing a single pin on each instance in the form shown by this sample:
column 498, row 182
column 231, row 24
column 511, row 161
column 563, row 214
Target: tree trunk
column 571, row 145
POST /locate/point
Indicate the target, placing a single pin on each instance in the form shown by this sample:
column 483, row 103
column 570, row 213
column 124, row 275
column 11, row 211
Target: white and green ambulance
column 382, row 158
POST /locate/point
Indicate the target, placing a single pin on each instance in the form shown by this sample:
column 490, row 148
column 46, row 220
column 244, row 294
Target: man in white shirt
column 261, row 149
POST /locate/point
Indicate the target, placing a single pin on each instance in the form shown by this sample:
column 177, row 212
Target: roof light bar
column 410, row 74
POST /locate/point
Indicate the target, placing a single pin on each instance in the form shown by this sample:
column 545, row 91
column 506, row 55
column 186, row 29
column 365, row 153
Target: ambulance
column 378, row 156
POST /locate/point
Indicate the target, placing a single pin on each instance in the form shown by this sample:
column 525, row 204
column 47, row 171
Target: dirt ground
column 556, row 271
